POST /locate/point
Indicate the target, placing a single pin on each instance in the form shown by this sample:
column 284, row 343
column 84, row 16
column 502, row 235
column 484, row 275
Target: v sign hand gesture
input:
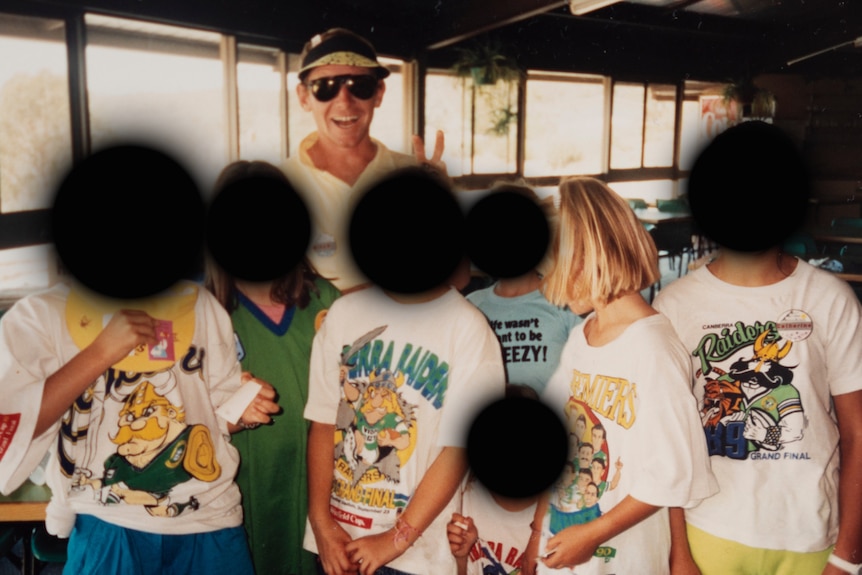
column 435, row 163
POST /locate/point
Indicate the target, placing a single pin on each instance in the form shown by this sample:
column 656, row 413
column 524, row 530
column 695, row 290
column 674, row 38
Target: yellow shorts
column 717, row 556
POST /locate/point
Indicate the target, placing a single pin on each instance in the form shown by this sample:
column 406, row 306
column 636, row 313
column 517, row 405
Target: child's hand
column 571, row 546
column 262, row 407
column 373, row 552
column 128, row 329
column 435, row 163
column 462, row 534
column 331, row 543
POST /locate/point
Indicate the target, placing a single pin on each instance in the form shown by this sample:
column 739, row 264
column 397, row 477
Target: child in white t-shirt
column 775, row 346
column 623, row 368
column 489, row 533
column 395, row 381
column 141, row 467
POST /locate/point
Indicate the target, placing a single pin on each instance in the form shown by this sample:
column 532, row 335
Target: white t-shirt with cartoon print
column 400, row 382
column 503, row 534
column 767, row 361
column 183, row 485
column 637, row 388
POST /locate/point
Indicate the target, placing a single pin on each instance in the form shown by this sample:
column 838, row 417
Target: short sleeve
column 224, row 370
column 323, row 372
column 29, row 354
column 672, row 468
column 844, row 342
column 477, row 378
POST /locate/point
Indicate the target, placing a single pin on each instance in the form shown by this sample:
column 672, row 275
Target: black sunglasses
column 362, row 86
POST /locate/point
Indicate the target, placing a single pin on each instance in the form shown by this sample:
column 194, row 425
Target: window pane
column 160, row 86
column 565, row 126
column 690, row 136
column 480, row 123
column 660, row 116
column 299, row 122
column 260, row 112
column 495, row 128
column 35, row 128
column 704, row 115
column 388, row 126
column 25, row 270
column 627, row 126
column 447, row 108
column 649, row 190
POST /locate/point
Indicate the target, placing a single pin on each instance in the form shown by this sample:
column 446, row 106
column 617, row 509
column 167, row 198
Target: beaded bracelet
column 403, row 533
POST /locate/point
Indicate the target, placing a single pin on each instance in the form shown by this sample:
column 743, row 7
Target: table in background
column 674, row 235
column 656, row 217
column 833, row 237
column 24, row 508
column 27, row 503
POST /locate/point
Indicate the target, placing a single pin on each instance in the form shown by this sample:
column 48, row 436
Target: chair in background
column 677, row 206
column 673, row 240
column 637, row 203
column 849, row 224
column 801, row 245
column 8, row 538
column 46, row 548
column 851, row 258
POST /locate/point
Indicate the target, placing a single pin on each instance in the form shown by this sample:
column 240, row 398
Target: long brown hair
column 294, row 287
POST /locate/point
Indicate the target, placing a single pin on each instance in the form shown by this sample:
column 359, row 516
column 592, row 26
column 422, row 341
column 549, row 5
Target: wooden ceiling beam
column 475, row 17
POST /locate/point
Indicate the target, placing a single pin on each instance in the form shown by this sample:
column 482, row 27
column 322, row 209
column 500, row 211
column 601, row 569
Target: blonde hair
column 602, row 250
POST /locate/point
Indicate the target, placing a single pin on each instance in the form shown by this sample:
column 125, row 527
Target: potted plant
column 754, row 102
column 486, row 63
column 501, row 119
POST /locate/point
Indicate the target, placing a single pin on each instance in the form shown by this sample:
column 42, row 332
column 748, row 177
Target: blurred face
column 378, row 396
column 144, row 428
column 597, row 469
column 345, row 120
column 591, row 495
column 568, row 475
column 583, row 480
column 580, row 427
column 585, row 456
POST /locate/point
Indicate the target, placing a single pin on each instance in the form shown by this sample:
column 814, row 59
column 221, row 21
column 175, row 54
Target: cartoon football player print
column 584, row 478
column 351, row 389
column 156, row 452
column 771, row 408
column 381, row 426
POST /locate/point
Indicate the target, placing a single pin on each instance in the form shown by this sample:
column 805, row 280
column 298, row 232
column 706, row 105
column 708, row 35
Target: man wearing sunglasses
column 341, row 85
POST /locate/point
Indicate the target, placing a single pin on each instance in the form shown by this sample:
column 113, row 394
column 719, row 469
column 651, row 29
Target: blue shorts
column 97, row 547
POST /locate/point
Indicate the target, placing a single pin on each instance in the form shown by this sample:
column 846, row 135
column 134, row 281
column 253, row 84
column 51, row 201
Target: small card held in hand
column 233, row 408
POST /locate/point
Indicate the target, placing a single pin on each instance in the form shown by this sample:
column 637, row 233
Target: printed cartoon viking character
column 381, row 426
column 352, row 390
column 344, row 417
column 771, row 407
column 157, row 451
